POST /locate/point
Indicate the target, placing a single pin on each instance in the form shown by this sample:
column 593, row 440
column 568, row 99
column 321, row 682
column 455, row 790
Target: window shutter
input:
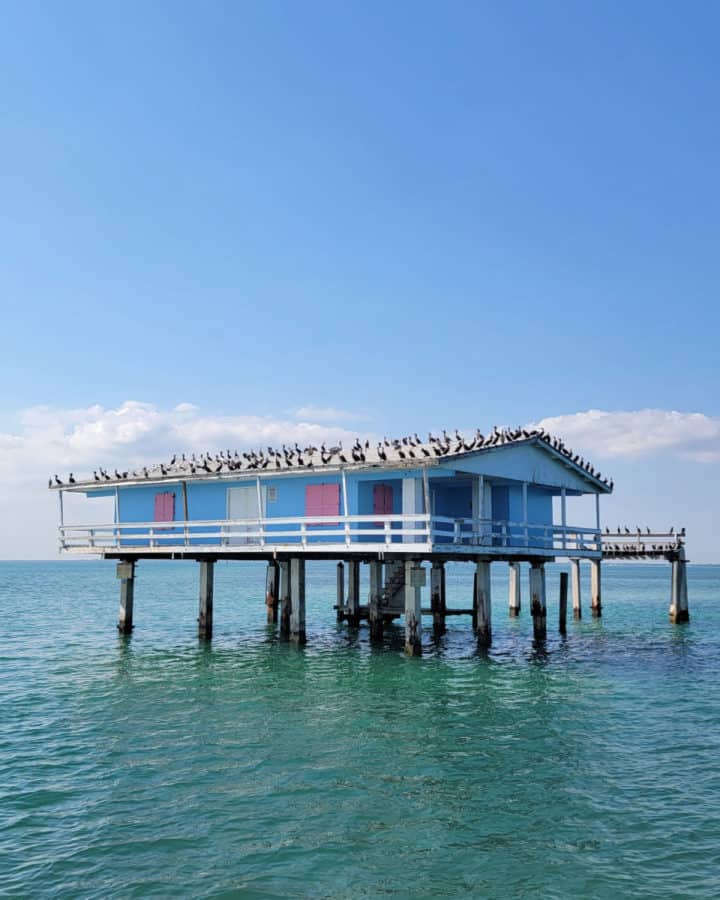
column 164, row 507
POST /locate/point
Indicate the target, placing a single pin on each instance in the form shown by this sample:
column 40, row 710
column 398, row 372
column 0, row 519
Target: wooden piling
column 679, row 611
column 537, row 600
column 575, row 583
column 595, row 589
column 353, row 596
column 562, row 625
column 514, row 603
column 272, row 596
column 205, row 614
column 340, row 607
column 285, row 601
column 125, row 571
column 414, row 579
column 438, row 601
column 481, row 604
column 375, row 599
column 297, row 600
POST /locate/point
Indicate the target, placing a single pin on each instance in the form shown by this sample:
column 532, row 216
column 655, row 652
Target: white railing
column 368, row 532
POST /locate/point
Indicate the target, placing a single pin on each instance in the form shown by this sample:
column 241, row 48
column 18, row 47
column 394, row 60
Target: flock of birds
column 639, row 547
column 404, row 449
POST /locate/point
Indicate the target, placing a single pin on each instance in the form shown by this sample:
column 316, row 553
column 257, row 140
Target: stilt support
column 340, row 606
column 205, row 615
column 353, row 597
column 375, row 599
column 414, row 579
column 438, row 602
column 285, row 600
column 514, row 589
column 297, row 601
column 126, row 573
column 537, row 600
column 272, row 592
column 595, row 589
column 679, row 600
column 562, row 624
column 481, row 604
column 575, row 583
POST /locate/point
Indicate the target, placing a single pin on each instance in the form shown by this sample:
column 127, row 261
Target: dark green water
column 156, row 766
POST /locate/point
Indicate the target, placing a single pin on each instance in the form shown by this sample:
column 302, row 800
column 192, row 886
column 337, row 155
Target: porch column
column 374, row 601
column 514, row 589
column 205, row 616
column 595, row 589
column 412, row 504
column 438, row 602
column 353, row 598
column 414, row 579
column 481, row 604
column 340, row 581
column 272, row 597
column 537, row 600
column 297, row 601
column 679, row 600
column 575, row 583
column 125, row 571
column 285, row 599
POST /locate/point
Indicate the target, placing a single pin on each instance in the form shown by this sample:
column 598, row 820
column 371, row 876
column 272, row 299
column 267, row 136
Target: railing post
column 347, row 530
column 388, row 531
column 303, row 534
column 457, row 533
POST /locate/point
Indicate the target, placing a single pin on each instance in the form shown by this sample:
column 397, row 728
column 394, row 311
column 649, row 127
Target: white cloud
column 638, row 433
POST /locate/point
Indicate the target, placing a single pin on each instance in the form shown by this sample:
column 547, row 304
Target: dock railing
column 371, row 533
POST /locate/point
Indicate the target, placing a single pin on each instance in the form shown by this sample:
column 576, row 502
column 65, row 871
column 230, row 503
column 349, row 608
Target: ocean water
column 159, row 766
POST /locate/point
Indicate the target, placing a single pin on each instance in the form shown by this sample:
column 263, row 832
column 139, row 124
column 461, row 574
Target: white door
column 242, row 503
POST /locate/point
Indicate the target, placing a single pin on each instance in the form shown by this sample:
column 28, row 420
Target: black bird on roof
column 96, row 476
column 381, row 452
column 71, row 479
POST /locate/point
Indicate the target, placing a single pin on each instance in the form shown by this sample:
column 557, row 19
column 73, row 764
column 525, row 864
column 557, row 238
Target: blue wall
column 207, row 500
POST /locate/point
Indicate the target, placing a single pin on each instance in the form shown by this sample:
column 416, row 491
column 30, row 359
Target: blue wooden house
column 502, row 496
column 506, row 496
column 489, row 494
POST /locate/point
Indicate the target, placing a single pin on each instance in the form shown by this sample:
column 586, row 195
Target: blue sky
column 418, row 214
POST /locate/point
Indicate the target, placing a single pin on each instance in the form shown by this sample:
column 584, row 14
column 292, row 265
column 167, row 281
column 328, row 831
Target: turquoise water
column 155, row 765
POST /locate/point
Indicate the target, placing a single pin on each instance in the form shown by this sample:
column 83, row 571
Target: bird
column 71, row 478
column 57, row 480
